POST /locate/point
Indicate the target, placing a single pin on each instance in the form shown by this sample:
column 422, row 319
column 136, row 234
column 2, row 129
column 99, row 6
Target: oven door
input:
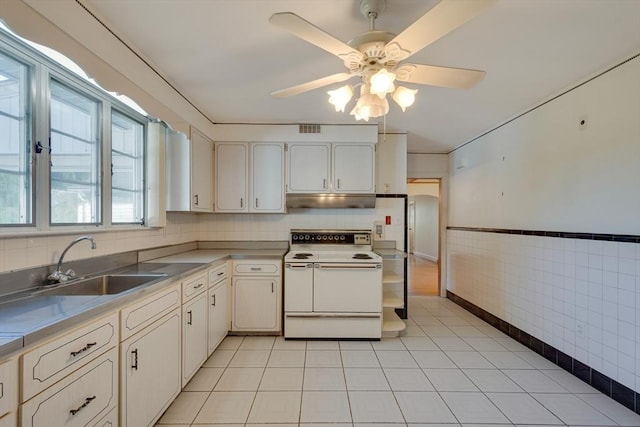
column 347, row 288
column 298, row 287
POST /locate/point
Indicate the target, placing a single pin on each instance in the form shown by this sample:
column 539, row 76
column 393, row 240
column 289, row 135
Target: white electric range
column 332, row 285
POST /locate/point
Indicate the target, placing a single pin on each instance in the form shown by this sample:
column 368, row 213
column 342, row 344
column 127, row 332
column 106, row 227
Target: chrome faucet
column 58, row 276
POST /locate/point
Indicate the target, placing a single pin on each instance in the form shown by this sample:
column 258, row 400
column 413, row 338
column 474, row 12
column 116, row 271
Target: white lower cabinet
column 150, row 371
column 218, row 324
column 80, row 399
column 194, row 336
column 8, row 389
column 256, row 304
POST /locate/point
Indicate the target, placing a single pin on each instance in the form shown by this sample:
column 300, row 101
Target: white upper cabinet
column 309, row 168
column 189, row 178
column 267, row 177
column 249, row 177
column 331, row 168
column 232, row 160
column 354, row 168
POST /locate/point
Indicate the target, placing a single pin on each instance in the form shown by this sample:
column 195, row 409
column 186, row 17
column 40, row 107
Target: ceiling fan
column 376, row 56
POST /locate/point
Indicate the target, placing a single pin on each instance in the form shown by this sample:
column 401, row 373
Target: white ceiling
column 225, row 57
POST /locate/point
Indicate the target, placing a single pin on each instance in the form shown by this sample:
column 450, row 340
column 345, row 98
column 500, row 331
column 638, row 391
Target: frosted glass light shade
column 340, row 97
column 404, row 97
column 382, row 83
column 369, row 105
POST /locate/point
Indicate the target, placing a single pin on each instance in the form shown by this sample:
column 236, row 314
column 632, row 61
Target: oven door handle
column 346, row 266
column 335, row 315
column 298, row 266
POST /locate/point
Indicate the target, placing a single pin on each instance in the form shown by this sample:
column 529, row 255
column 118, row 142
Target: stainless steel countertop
column 33, row 318
column 26, row 319
column 390, row 253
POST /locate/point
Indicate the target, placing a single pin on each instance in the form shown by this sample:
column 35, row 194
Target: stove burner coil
column 362, row 256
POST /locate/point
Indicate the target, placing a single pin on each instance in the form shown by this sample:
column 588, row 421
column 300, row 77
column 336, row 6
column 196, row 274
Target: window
column 127, row 169
column 75, row 157
column 16, row 192
column 72, row 155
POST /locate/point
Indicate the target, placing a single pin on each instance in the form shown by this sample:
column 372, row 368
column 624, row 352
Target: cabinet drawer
column 49, row 363
column 257, row 268
column 217, row 274
column 80, row 399
column 8, row 387
column 192, row 286
column 143, row 313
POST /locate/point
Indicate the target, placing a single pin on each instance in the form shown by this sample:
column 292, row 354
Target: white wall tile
column 581, row 296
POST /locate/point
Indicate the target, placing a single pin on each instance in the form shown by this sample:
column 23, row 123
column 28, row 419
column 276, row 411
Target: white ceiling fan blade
column 457, row 78
column 314, row 84
column 444, row 17
column 308, row 32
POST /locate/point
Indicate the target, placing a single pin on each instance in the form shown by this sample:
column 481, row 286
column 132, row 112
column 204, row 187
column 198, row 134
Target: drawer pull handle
column 214, row 300
column 256, row 268
column 134, row 365
column 198, row 286
column 221, row 273
column 83, row 349
column 86, row 402
column 190, row 314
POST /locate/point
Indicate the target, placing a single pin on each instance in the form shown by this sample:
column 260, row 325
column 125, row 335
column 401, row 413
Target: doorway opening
column 423, row 236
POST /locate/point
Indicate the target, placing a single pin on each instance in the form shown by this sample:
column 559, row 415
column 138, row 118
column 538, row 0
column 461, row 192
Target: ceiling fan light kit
column 375, row 56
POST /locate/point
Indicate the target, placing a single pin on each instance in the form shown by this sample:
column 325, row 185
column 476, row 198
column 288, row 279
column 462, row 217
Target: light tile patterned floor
column 451, row 369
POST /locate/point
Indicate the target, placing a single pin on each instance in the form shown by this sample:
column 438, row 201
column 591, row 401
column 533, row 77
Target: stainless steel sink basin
column 109, row 284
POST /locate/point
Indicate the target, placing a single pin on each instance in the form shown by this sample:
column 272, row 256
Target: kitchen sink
column 109, row 284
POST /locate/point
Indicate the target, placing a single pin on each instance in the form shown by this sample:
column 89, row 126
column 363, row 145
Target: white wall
column 426, row 226
column 543, row 171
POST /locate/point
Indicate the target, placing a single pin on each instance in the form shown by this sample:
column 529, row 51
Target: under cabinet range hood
column 330, row 201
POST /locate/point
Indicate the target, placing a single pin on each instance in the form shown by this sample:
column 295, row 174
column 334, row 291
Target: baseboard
column 618, row 392
column 425, row 256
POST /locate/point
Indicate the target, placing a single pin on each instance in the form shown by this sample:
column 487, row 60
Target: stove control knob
column 342, row 237
column 307, row 237
column 324, row 237
column 294, row 237
column 330, row 237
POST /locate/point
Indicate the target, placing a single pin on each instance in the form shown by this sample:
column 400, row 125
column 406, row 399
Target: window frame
column 42, row 70
column 10, row 50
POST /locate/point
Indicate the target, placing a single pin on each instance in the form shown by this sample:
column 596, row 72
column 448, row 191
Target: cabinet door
column 217, row 314
column 267, row 177
column 354, row 168
column 194, row 336
column 231, row 177
column 255, row 304
column 150, row 371
column 308, row 167
column 201, row 172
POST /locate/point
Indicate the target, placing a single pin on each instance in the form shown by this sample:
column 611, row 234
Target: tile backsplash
column 38, row 250
column 580, row 296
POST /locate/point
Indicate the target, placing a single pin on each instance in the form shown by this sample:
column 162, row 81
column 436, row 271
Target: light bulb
column 404, row 97
column 340, row 97
column 382, row 83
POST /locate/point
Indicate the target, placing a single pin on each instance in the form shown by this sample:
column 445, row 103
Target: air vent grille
column 309, row 128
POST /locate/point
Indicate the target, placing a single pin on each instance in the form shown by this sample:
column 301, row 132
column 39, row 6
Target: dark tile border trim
column 628, row 238
column 618, row 392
